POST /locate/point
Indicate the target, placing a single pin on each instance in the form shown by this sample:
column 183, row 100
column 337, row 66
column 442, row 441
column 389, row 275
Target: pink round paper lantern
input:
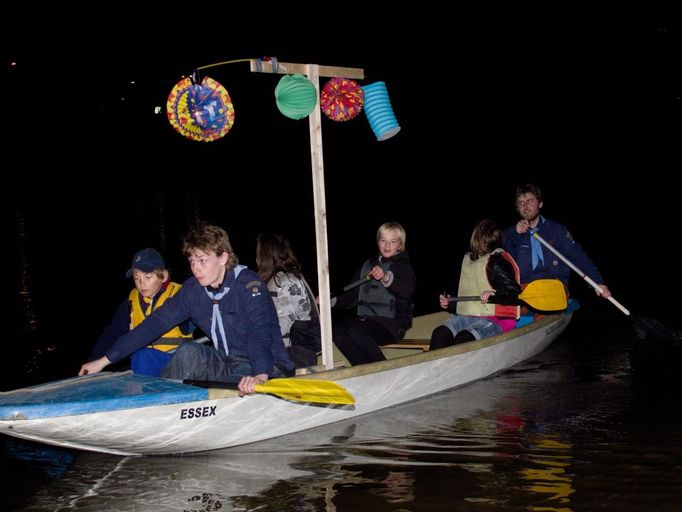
column 341, row 99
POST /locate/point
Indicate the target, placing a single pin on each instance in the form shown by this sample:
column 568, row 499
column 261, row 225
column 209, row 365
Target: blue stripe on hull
column 96, row 393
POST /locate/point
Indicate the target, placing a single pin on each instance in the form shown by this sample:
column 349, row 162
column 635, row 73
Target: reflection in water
column 549, row 475
column 30, row 319
column 29, row 351
column 544, row 437
column 163, row 232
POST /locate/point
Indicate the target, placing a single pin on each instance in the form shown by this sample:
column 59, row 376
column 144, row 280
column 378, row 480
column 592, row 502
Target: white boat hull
column 214, row 423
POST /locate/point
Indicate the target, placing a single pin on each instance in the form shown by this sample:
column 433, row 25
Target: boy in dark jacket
column 384, row 300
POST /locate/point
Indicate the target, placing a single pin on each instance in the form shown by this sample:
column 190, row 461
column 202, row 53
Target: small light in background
column 157, row 110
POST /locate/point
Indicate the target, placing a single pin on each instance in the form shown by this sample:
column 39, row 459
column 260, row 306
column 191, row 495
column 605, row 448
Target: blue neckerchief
column 536, row 248
column 216, row 318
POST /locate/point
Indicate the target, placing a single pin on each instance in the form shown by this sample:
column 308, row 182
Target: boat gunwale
column 431, row 355
column 348, row 372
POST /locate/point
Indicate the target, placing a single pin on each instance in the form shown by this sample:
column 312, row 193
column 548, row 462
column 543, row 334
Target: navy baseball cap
column 146, row 260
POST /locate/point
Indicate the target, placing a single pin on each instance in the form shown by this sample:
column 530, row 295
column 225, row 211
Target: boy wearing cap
column 228, row 302
column 152, row 288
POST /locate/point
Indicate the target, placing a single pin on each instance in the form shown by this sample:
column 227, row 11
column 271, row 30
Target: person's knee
column 187, row 349
column 344, row 333
column 464, row 336
column 441, row 337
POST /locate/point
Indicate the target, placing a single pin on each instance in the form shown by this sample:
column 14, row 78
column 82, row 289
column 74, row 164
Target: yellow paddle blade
column 307, row 390
column 545, row 295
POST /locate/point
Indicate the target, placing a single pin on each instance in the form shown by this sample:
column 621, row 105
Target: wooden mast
column 314, row 72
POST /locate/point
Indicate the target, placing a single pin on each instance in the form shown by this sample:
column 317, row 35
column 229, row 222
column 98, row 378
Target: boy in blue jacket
column 230, row 304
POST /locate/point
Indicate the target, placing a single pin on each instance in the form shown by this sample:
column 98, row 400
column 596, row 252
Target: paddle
column 298, row 390
column 357, row 283
column 655, row 328
column 541, row 294
column 361, row 281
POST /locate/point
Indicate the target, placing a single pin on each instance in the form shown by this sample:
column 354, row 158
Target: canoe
column 126, row 414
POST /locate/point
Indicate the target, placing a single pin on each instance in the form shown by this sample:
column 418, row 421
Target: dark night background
column 581, row 98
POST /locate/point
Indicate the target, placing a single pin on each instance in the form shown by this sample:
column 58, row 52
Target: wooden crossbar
column 287, row 68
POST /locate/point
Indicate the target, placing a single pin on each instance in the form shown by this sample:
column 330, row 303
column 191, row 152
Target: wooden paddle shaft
column 464, row 297
column 580, row 272
column 357, row 283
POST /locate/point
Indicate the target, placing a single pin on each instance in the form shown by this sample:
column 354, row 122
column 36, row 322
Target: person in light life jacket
column 152, row 288
column 230, row 304
column 383, row 297
column 487, row 271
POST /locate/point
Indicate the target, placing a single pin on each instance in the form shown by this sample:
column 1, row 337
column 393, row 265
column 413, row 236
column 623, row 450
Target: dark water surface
column 584, row 426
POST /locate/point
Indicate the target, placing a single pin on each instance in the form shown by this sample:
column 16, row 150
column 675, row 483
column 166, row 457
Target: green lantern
column 296, row 96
